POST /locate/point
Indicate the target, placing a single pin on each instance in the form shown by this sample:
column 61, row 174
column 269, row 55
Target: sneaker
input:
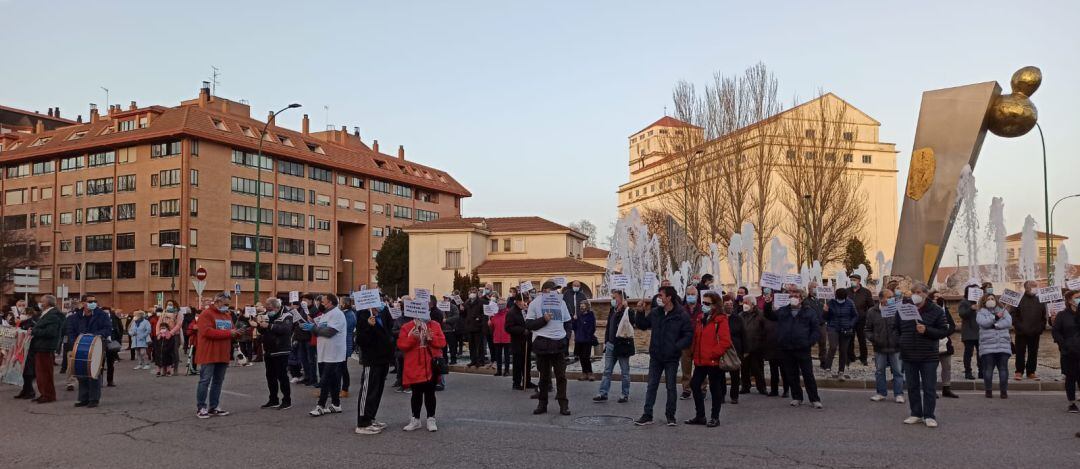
column 817, row 405
column 796, row 403
column 334, row 409
column 600, row 398
column 696, row 421
column 877, row 398
column 318, row 410
column 644, row 420
column 285, row 405
column 368, row 430
column 1032, row 377
column 671, row 422
column 912, row 420
column 685, row 395
column 624, row 400
column 295, row 380
column 931, row 423
column 414, row 424
column 376, row 423
column 137, row 367
column 713, row 423
column 270, row 404
column 203, row 414
column 431, row 427
column 900, row 399
column 218, row 413
column 1073, row 409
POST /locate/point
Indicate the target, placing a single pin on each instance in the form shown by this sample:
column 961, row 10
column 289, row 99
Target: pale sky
column 530, row 105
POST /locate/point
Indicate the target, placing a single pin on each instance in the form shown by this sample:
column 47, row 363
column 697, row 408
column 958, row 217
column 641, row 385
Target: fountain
column 864, row 274
column 734, row 258
column 841, row 279
column 634, row 252
column 996, row 233
column 749, row 256
column 1028, row 252
column 969, row 222
column 778, row 257
column 1061, row 264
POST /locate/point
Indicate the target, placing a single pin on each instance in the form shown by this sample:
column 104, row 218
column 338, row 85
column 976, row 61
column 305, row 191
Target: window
column 506, row 245
column 322, row 274
column 67, row 272
column 98, row 270
column 249, row 159
column 45, row 247
column 220, row 125
column 247, row 214
column 125, row 183
column 248, row 187
column 125, row 212
column 291, row 194
column 45, row 219
column 15, row 197
column 101, row 159
column 342, row 179
column 790, row 154
column 46, row 193
column 239, row 269
column 494, row 245
column 194, row 178
column 153, row 210
column 311, row 222
column 99, row 243
column 19, row 171
column 849, row 136
column 377, row 231
column 99, row 186
column 125, row 269
column 291, row 168
column 99, row 214
column 194, row 148
column 290, row 219
column 126, row 155
column 193, row 207
column 453, row 259
column 77, row 135
column 360, row 205
column 144, row 122
column 125, row 241
column 290, row 272
column 810, row 133
column 867, row 159
column 247, row 131
column 319, row 174
column 403, row 191
column 154, row 271
column 65, row 218
column 811, row 155
column 41, row 141
column 168, row 237
column 315, row 148
column 380, row 186
column 402, row 212
column 323, row 225
column 322, row 200
column 426, row 215
column 70, row 163
column 377, row 208
column 246, row 242
column 78, row 244
column 342, row 202
column 169, row 178
column 78, row 216
column 285, row 140
column 127, row 125
column 169, row 208
column 162, row 150
column 168, row 267
column 67, row 191
column 65, row 246
column 14, row 222
column 311, row 197
column 356, row 182
column 848, row 158
column 425, row 196
column 44, row 167
column 193, row 237
column 311, row 248
column 290, row 246
column 830, row 156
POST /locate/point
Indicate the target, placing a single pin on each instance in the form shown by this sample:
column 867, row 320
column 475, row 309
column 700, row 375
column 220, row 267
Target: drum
column 87, row 356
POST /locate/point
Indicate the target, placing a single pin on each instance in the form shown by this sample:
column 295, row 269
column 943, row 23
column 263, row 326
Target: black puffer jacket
column 376, row 343
column 672, row 332
column 474, row 315
column 1067, row 333
column 738, row 333
column 515, row 326
column 277, row 336
column 969, row 326
column 922, row 347
column 882, row 332
column 754, row 335
column 798, row 332
column 1029, row 318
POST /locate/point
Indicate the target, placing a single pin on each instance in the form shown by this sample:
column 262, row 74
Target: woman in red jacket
column 421, row 341
column 712, row 338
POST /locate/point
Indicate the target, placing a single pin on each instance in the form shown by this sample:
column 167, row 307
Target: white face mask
column 472, row 296
column 746, row 307
column 991, row 304
column 917, row 299
column 795, row 302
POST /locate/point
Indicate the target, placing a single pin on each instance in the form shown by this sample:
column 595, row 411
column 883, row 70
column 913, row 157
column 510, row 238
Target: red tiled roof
column 494, row 225
column 562, row 265
column 667, row 121
column 36, row 115
column 195, row 121
column 594, row 253
column 1038, row 235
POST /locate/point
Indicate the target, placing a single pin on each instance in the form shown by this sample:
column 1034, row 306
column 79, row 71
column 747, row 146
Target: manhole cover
column 603, row 420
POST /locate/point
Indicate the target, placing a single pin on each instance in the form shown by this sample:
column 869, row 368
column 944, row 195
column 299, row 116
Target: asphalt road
column 150, row 422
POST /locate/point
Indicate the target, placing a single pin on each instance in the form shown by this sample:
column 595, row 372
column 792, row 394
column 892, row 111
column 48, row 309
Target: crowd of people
column 721, row 341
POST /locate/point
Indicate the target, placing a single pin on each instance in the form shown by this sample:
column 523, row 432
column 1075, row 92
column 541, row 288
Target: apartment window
column 144, row 122
column 380, row 186
column 125, row 241
column 14, row 222
column 322, row 200
column 239, row 269
column 323, row 225
column 248, row 214
column 153, row 210
column 377, row 231
column 342, row 179
column 311, row 197
column 71, row 163
column 162, row 150
column 126, row 155
column 194, row 147
column 290, row 246
column 65, row 218
column 125, row 183
column 494, row 245
column 78, row 244
column 99, row 214
column 45, row 247
column 15, row 197
column 194, row 178
column 98, row 270
column 403, row 191
column 168, row 237
column 360, row 205
column 67, row 272
column 867, row 159
column 849, row 136
column 315, row 148
column 168, row 267
column 65, row 246
column 154, row 270
column 291, row 194
column 290, row 219
column 247, row 131
column 311, row 222
column 99, row 243
column 506, row 245
column 249, row 159
column 127, row 125
column 125, row 212
column 45, row 219
column 425, row 196
column 246, row 242
column 193, row 237
column 790, row 154
column 402, row 212
column 290, row 272
column 810, row 133
column 19, row 171
column 101, row 159
column 125, row 269
column 311, row 248
column 99, row 186
column 291, row 168
column 220, row 125
column 426, row 215
column 250, row 186
column 322, row 249
column 453, row 259
column 322, row 274
column 44, row 167
column 46, row 193
column 169, row 178
column 811, row 155
column 319, row 174
column 169, row 208
column 356, row 182
column 285, row 140
column 342, row 202
column 78, row 216
column 67, row 190
column 848, row 158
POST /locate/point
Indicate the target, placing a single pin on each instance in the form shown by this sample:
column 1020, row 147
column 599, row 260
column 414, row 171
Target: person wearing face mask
column 881, row 331
column 618, row 347
column 796, row 332
column 421, row 341
column 548, row 339
column 305, row 351
column 919, row 355
column 738, row 340
column 572, row 295
column 275, row 333
column 584, row 326
column 1066, row 331
column 474, row 327
column 995, row 347
column 945, row 348
column 44, row 339
column 139, row 331
column 818, row 305
column 843, row 319
column 91, row 320
column 213, row 353
column 329, row 329
column 969, row 331
column 706, row 283
column 28, row 318
column 686, row 364
column 1029, row 319
column 863, row 300
column 753, row 366
column 771, row 348
column 712, row 339
column 672, row 332
column 519, row 342
column 375, row 339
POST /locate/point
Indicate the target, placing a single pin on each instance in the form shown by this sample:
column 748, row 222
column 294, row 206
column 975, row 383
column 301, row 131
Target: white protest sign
column 491, row 309
column 792, row 279
column 649, row 283
column 184, row 310
column 619, row 282
column 395, row 312
column 422, row 294
column 367, row 299
column 294, row 297
column 1055, row 307
column 417, row 309
column 525, row 287
column 825, row 293
column 771, row 280
column 889, row 310
column 909, row 312
column 780, row 300
column 974, row 294
column 250, row 312
column 1049, row 294
column 560, row 281
column 553, row 303
column 456, row 299
column 1073, row 284
column 1011, row 298
column 443, row 306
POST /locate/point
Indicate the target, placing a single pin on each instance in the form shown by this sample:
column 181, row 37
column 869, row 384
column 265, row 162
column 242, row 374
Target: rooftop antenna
column 326, row 108
column 214, row 79
column 106, row 96
column 665, row 111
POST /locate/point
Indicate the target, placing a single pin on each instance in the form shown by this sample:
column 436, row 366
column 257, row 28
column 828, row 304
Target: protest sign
column 889, row 310
column 184, row 310
column 1073, row 284
column 14, row 348
column 974, row 294
column 294, row 297
column 1011, row 298
column 525, row 287
column 771, row 280
column 1049, row 294
column 909, row 312
column 491, row 309
column 422, row 294
column 395, row 312
column 417, row 309
column 619, row 282
column 825, row 293
column 792, row 279
column 443, row 306
column 560, row 281
column 456, row 299
column 1055, row 307
column 649, row 283
column 250, row 311
column 553, row 303
column 367, row 299
column 780, row 300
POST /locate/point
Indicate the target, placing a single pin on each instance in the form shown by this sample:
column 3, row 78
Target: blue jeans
column 670, row 370
column 609, row 366
column 211, row 377
column 891, row 360
column 921, row 379
column 1001, row 362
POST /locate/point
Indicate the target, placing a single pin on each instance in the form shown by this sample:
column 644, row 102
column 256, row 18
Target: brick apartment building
column 101, row 198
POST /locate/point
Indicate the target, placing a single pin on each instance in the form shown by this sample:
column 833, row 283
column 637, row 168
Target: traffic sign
column 26, row 280
column 200, row 273
column 236, row 288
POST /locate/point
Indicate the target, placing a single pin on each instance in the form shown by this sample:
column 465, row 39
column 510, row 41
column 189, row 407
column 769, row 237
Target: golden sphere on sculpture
column 1026, row 80
column 1013, row 114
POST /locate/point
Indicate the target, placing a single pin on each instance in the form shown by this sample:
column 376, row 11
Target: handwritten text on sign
column 974, row 294
column 1011, row 298
column 367, row 299
column 771, row 280
column 1049, row 294
column 825, row 293
column 417, row 309
column 491, row 309
column 909, row 312
column 781, row 300
column 620, row 282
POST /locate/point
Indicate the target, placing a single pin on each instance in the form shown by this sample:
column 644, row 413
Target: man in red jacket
column 212, row 353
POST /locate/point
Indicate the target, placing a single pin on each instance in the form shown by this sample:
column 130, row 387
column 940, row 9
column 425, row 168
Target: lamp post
column 175, row 266
column 259, row 196
column 352, row 274
column 1046, row 204
column 1050, row 229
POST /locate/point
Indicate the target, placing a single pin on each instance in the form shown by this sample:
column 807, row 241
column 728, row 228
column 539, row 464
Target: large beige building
column 652, row 171
column 503, row 251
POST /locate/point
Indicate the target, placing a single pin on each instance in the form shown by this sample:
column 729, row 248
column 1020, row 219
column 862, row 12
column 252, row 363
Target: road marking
column 233, row 393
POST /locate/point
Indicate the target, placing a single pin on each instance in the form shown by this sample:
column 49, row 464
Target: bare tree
column 586, row 228
column 822, row 199
column 18, row 249
column 683, row 167
column 675, row 246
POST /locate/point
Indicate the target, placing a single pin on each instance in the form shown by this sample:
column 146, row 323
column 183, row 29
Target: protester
column 737, row 333
column 772, row 350
column 1029, row 319
column 375, row 339
column 945, row 347
column 754, row 342
column 422, row 342
column 329, row 330
column 44, row 340
column 549, row 337
column 618, row 347
column 919, row 353
column 500, row 353
column 165, row 345
column 213, row 353
column 349, row 310
column 28, row 318
column 796, row 332
column 863, row 300
column 91, row 320
column 520, row 337
column 307, row 343
column 139, row 333
column 584, row 326
column 450, row 327
column 474, row 327
column 1067, row 335
column 818, row 306
column 672, row 332
column 969, row 332
column 686, row 362
column 572, row 296
column 113, row 346
column 994, row 345
column 882, row 333
column 842, row 319
column 712, row 339
column 275, row 333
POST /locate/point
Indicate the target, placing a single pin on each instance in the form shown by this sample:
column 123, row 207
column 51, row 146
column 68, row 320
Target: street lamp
column 352, row 274
column 259, row 196
column 175, row 266
column 1046, row 203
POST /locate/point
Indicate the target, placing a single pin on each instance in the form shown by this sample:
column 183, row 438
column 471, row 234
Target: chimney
column 204, row 94
column 79, row 119
column 39, row 126
column 270, row 118
column 56, row 111
column 306, row 125
column 401, row 151
column 132, row 106
column 375, row 146
column 344, row 134
column 356, row 132
column 93, row 113
column 50, row 112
